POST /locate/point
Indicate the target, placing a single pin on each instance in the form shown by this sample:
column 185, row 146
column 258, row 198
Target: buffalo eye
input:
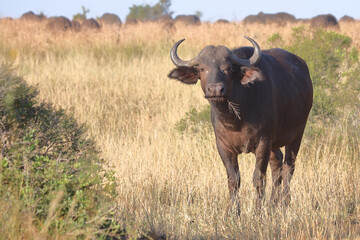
column 230, row 69
column 226, row 70
column 200, row 69
column 234, row 69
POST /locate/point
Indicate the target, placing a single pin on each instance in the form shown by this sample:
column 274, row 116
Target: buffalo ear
column 250, row 75
column 188, row 75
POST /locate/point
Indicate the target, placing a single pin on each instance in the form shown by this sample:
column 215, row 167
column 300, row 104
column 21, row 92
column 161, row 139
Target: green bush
column 147, row 12
column 328, row 55
column 195, row 121
column 44, row 154
column 275, row 40
column 81, row 16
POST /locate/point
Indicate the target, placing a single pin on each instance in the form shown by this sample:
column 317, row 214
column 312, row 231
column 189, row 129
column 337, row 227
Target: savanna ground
column 172, row 182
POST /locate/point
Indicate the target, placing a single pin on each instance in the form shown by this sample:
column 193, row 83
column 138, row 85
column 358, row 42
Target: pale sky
column 212, row 10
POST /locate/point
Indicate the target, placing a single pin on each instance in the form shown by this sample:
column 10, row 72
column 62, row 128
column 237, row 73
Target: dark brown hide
column 56, row 24
column 222, row 21
column 110, row 19
column 31, row 16
column 188, row 19
column 347, row 18
column 324, row 21
column 90, row 24
column 256, row 108
column 280, row 18
column 76, row 26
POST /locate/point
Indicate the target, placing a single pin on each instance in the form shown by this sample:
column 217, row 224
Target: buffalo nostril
column 222, row 90
column 210, row 89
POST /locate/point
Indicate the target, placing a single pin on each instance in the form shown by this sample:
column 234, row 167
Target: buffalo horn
column 177, row 61
column 253, row 59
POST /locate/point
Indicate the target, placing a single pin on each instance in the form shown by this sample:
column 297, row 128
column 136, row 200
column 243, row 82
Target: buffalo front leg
column 276, row 162
column 230, row 161
column 262, row 155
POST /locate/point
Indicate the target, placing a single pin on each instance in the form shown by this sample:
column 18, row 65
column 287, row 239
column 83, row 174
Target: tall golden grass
column 171, row 183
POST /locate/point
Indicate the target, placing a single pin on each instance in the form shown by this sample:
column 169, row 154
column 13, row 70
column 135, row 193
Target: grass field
column 172, row 183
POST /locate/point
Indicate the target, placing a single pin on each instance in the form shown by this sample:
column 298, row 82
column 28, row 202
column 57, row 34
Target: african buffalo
column 260, row 101
column 222, row 21
column 31, row 16
column 76, row 26
column 61, row 23
column 280, row 18
column 324, row 21
column 188, row 19
column 90, row 24
column 110, row 19
column 347, row 18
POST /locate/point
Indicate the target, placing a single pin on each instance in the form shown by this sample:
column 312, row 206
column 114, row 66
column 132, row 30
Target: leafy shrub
column 81, row 16
column 275, row 40
column 146, row 12
column 195, row 121
column 328, row 56
column 46, row 154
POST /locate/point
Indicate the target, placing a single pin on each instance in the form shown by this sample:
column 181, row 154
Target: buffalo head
column 218, row 69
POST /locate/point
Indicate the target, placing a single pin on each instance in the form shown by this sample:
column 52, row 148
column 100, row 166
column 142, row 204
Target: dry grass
column 171, row 183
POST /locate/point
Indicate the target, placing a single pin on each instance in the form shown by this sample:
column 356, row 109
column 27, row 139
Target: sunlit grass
column 169, row 182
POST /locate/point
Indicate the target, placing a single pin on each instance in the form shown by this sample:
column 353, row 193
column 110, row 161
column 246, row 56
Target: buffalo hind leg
column 276, row 162
column 288, row 169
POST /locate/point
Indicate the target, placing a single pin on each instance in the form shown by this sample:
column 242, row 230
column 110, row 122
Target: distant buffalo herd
column 63, row 24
